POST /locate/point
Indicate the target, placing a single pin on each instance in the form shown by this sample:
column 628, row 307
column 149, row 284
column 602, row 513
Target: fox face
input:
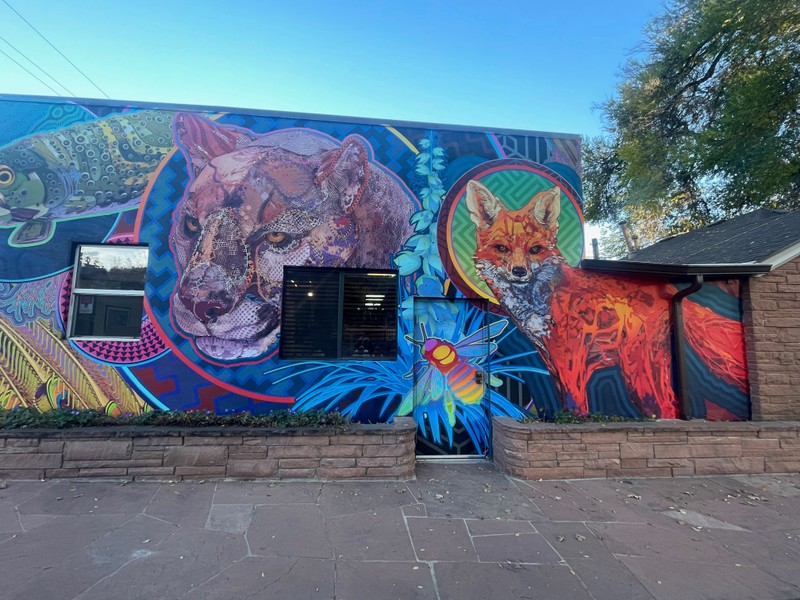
column 256, row 204
column 514, row 244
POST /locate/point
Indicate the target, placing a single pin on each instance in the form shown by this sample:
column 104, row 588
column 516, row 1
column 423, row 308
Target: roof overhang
column 668, row 270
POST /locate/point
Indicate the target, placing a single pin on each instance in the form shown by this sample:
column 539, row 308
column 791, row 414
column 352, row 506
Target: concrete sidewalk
column 461, row 531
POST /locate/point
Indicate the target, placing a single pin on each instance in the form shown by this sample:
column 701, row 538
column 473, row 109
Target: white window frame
column 76, row 291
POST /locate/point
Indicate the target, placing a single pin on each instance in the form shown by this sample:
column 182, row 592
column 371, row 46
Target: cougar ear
column 546, row 206
column 202, row 140
column 343, row 173
column 482, row 204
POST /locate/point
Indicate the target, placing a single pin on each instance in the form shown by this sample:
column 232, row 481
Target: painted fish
column 88, row 168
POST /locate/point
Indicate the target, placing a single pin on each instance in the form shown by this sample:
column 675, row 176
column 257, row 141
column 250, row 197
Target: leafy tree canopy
column 705, row 123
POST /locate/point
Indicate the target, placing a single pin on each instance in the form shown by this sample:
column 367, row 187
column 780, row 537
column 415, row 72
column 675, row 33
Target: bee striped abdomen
column 462, row 383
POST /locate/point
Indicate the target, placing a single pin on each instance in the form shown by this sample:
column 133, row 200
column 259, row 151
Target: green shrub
column 566, row 417
column 30, row 418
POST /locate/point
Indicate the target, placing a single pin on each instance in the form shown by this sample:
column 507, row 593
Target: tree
column 705, row 123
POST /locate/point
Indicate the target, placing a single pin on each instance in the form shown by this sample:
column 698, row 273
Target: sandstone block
column 195, row 456
column 98, row 450
column 29, row 461
column 252, row 468
column 342, row 472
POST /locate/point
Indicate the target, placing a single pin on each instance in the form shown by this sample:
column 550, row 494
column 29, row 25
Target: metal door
column 451, row 362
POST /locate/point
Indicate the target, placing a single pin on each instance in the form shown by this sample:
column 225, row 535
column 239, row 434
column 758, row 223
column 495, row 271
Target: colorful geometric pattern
column 516, row 182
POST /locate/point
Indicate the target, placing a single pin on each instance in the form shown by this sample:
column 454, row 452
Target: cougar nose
column 208, row 311
column 204, row 306
column 519, row 271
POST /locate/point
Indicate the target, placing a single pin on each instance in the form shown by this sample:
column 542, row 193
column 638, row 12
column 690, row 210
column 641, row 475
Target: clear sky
column 509, row 63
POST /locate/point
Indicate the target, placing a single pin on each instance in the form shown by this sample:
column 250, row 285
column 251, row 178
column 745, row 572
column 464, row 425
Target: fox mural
column 582, row 321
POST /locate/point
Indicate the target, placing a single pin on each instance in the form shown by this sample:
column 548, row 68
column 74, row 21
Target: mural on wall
column 579, row 321
column 88, row 168
column 257, row 203
column 495, row 316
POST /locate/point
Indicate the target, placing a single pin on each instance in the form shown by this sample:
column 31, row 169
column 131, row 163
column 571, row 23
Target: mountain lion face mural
column 258, row 203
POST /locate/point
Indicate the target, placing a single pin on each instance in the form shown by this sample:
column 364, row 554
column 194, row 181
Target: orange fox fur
column 582, row 321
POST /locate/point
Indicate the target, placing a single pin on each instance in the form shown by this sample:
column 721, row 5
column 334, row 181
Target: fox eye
column 191, row 224
column 535, row 250
column 6, row 176
column 501, row 248
column 276, row 237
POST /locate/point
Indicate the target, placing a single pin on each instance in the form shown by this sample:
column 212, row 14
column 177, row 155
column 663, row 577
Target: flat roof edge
column 674, row 270
column 272, row 113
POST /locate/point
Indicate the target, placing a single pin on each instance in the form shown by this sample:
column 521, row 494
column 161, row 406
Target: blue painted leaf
column 428, row 286
column 407, row 263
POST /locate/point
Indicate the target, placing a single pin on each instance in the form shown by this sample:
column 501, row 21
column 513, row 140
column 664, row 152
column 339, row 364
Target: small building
column 159, row 257
column 770, row 301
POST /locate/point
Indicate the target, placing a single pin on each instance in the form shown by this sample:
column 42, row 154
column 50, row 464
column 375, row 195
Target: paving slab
column 656, row 542
column 275, row 578
column 77, row 572
column 384, row 580
column 89, row 497
column 370, row 535
column 285, row 530
column 498, row 526
column 272, row 492
column 574, row 540
column 181, row 503
column 459, row 580
column 471, row 491
column 607, row 578
column 345, row 498
column 233, row 518
column 681, row 580
column 187, row 558
column 442, row 539
column 515, row 548
column 488, row 536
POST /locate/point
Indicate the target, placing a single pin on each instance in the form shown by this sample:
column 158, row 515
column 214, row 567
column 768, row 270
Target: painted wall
column 224, row 201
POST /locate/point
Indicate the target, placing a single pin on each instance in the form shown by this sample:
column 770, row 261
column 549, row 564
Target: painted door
column 451, row 358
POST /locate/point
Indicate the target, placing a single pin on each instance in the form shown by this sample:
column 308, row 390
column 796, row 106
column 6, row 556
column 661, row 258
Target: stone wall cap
column 400, row 424
column 665, row 425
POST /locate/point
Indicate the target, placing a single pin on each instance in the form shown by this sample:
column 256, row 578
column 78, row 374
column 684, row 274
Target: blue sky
column 515, row 64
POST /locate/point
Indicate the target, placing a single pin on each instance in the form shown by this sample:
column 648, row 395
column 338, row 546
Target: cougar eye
column 535, row 250
column 191, row 224
column 501, row 248
column 276, row 237
column 6, row 176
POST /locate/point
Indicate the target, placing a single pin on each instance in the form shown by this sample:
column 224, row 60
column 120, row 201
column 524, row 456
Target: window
column 107, row 292
column 339, row 314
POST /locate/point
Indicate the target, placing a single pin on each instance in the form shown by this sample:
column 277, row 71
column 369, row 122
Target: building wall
column 484, row 230
column 772, row 327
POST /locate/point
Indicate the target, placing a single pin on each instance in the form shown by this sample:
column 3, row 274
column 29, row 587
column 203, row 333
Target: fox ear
column 344, row 172
column 482, row 204
column 202, row 140
column 546, row 206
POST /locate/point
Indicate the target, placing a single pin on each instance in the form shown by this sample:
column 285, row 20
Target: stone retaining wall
column 383, row 451
column 651, row 449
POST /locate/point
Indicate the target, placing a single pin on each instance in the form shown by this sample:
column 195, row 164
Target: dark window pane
column 107, row 316
column 369, row 315
column 331, row 314
column 111, row 268
column 310, row 314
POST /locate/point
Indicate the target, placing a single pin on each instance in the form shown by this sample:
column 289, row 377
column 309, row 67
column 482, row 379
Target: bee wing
column 437, row 384
column 416, row 370
column 478, row 342
column 429, row 386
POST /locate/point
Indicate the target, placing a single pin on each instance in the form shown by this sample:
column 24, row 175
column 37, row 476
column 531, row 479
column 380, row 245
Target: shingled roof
column 763, row 236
